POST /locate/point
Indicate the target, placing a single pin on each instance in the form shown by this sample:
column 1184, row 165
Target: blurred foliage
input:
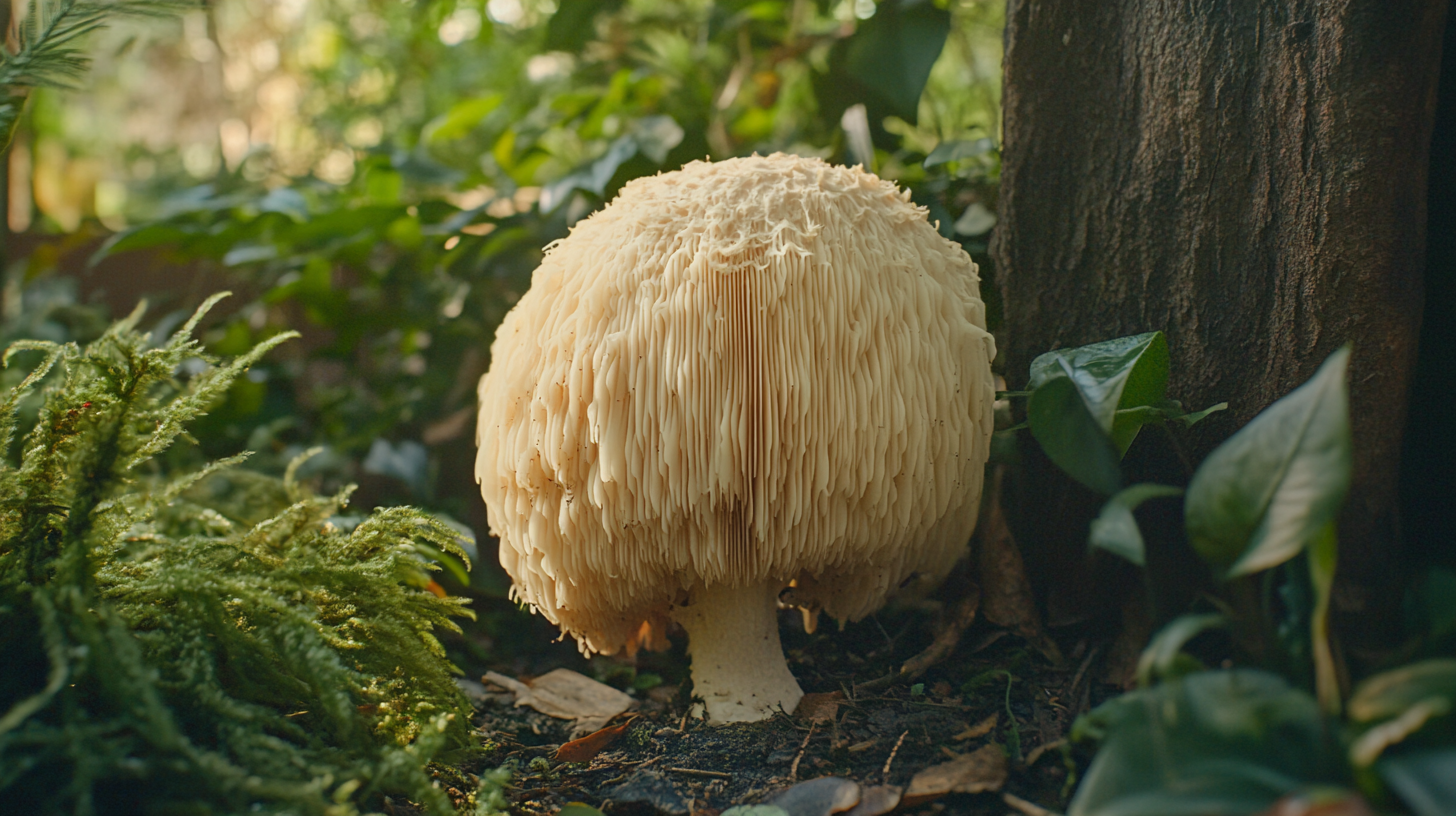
column 201, row 638
column 452, row 141
column 1261, row 507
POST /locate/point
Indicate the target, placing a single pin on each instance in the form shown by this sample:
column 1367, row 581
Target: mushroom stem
column 738, row 663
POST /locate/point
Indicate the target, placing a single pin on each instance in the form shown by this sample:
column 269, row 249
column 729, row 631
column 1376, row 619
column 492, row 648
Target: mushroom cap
column 767, row 369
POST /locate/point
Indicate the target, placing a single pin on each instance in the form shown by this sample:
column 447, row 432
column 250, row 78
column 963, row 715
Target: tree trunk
column 1247, row 176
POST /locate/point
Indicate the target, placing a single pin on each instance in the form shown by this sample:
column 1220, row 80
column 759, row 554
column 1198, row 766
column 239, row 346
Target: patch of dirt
column 993, row 689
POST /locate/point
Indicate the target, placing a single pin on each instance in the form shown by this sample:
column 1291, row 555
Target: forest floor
column 992, row 716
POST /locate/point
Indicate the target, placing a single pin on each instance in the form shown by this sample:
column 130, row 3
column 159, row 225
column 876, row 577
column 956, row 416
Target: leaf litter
column 845, row 750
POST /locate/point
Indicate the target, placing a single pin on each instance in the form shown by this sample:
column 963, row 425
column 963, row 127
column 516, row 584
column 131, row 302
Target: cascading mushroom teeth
column 735, row 377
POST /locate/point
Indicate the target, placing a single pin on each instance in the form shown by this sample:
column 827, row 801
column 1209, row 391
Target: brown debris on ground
column 988, row 720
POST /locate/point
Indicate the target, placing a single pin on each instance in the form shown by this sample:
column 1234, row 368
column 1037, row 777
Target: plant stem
column 1323, row 552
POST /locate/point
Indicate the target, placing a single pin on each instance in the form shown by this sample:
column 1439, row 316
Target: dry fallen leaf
column 586, row 748
column 567, row 695
column 819, row 707
column 817, row 797
column 984, row 769
column 876, row 801
column 980, row 729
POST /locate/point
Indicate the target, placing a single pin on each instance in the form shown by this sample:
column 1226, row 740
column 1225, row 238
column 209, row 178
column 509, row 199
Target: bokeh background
column 382, row 176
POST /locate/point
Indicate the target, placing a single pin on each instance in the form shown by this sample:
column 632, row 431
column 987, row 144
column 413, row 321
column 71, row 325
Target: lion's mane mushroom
column 736, row 378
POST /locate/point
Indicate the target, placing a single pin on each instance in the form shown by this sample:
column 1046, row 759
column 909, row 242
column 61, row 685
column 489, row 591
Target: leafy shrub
column 202, row 640
column 1261, row 507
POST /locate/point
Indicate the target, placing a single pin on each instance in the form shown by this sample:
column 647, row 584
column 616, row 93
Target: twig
column 1023, row 806
column 794, row 768
column 939, row 649
column 696, row 772
column 1037, row 752
column 893, row 751
column 1081, row 670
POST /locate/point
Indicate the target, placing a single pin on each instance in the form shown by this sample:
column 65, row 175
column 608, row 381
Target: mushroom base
column 738, row 662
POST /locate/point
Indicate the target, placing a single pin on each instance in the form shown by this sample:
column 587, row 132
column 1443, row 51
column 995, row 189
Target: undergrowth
column 202, row 640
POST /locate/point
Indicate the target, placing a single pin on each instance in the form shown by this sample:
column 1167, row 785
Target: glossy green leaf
column 1259, row 498
column 1070, row 436
column 1159, row 657
column 1116, row 530
column 1217, row 742
column 1424, row 780
column 1123, row 373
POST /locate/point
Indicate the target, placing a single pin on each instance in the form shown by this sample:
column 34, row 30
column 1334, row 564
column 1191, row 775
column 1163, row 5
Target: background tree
column 1249, row 178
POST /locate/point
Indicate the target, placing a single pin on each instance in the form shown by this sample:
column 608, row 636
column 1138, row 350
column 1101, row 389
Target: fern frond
column 48, row 53
column 209, row 632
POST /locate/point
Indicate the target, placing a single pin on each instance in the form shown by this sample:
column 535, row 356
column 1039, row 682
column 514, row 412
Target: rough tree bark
column 1248, row 176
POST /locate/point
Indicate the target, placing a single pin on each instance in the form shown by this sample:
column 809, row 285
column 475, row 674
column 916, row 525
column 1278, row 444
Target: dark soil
column 670, row 763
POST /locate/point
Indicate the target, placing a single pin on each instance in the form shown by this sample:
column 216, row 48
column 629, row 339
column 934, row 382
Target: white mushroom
column 736, row 378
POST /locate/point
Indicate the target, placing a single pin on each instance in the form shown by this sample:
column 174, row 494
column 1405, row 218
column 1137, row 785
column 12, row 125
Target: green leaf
column 1391, row 694
column 593, row 177
column 1123, row 373
column 947, row 152
column 1116, row 530
column 1189, row 420
column 886, row 62
column 285, row 200
column 1072, row 439
column 1424, row 780
column 572, row 26
column 656, row 135
column 1160, row 657
column 462, row 118
column 1217, row 742
column 1261, row 496
column 143, row 237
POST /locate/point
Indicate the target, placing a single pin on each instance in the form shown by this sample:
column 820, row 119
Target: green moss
column 205, row 641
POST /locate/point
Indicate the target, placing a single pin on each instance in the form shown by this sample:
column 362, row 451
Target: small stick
column 886, row 772
column 696, row 772
column 1036, row 753
column 1023, row 806
column 1082, row 670
column 794, row 768
column 963, row 615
